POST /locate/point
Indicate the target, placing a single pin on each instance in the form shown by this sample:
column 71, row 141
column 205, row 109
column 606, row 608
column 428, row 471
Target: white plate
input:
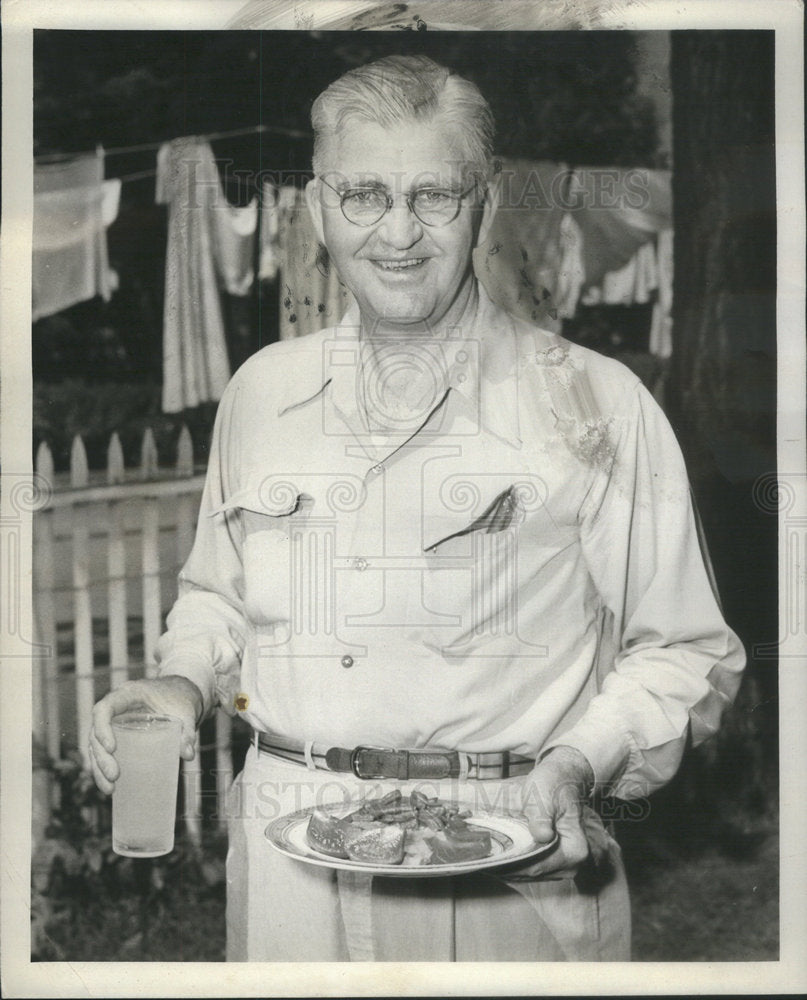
column 510, row 836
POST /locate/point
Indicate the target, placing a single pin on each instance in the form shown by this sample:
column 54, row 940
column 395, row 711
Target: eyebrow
column 373, row 183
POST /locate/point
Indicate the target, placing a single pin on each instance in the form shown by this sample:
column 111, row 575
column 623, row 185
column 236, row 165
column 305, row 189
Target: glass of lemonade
column 145, row 796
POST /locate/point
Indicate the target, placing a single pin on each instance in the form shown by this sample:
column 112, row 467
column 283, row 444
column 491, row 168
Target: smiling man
column 441, row 552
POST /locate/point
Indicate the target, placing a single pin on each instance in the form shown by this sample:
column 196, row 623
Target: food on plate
column 327, row 834
column 383, row 846
column 393, row 830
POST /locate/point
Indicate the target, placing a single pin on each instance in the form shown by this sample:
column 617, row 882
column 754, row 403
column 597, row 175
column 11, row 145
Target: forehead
column 396, row 155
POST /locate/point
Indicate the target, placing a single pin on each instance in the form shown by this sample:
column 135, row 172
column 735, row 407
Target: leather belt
column 383, row 762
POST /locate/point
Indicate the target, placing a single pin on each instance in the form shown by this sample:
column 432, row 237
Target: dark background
column 561, row 96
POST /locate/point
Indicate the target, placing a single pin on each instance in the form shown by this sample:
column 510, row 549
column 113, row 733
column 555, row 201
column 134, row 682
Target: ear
column 315, row 207
column 489, row 208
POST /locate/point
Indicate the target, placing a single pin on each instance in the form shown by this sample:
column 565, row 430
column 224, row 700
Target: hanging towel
column 195, row 364
column 311, row 294
column 73, row 207
column 520, row 260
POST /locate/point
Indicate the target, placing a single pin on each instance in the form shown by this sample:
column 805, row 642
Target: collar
column 479, row 367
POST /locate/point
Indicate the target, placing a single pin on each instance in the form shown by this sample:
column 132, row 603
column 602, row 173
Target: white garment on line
column 571, row 272
column 632, row 284
column 661, row 323
column 235, row 230
column 209, row 242
column 73, row 207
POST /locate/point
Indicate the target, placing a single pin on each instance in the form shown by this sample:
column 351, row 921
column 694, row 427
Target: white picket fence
column 106, row 555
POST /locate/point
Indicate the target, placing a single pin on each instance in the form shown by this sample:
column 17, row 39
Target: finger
column 122, row 699
column 187, row 750
column 105, row 762
column 103, row 783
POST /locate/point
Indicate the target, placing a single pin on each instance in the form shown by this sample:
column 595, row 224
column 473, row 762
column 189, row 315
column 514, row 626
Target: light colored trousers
column 281, row 909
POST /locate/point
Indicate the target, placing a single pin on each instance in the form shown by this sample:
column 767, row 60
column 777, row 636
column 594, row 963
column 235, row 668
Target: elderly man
column 440, row 531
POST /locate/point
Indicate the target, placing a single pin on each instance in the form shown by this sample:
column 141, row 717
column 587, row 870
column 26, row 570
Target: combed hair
column 399, row 89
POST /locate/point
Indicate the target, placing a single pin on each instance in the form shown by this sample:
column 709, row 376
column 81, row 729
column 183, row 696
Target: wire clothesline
column 290, row 133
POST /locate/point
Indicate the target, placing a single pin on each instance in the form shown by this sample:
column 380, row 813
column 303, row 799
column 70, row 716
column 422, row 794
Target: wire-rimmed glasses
column 366, row 205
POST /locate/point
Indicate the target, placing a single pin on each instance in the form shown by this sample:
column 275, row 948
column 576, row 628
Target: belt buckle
column 355, row 763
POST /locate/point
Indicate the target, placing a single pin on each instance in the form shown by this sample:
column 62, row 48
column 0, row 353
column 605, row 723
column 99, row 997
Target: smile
column 399, row 265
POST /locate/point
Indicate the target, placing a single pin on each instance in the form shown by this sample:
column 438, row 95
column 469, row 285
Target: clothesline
column 290, row 133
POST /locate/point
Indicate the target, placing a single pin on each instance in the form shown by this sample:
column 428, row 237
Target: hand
column 553, row 798
column 171, row 695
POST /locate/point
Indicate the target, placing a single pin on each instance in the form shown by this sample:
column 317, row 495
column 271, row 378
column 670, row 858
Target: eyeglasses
column 365, row 206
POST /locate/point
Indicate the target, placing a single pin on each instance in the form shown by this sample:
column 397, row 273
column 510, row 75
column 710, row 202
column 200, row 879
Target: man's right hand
column 175, row 696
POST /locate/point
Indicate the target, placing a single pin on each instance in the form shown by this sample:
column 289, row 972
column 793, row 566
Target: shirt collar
column 480, row 368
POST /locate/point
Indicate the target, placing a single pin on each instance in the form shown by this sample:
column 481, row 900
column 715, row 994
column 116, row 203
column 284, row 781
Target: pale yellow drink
column 145, row 795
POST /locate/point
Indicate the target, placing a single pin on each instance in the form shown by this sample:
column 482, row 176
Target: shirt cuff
column 603, row 746
column 198, row 671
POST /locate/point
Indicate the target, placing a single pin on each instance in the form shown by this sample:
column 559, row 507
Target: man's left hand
column 553, row 797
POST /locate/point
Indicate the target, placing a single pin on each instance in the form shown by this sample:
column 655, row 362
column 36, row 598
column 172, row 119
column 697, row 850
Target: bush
column 90, row 904
column 95, row 410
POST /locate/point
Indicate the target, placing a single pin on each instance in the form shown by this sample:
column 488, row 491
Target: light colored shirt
column 514, row 567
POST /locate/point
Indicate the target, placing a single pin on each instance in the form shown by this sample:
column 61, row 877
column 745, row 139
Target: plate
column 511, row 842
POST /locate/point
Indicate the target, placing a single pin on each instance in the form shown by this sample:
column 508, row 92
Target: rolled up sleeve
column 678, row 665
column 206, row 629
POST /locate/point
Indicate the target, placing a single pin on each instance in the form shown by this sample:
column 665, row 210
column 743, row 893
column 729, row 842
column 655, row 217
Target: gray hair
column 399, row 89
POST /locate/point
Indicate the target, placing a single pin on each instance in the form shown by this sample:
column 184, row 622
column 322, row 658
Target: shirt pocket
column 268, row 529
column 470, row 573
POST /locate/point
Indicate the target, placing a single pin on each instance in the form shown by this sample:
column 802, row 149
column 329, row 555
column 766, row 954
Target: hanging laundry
column 618, row 211
column 571, row 273
column 73, row 207
column 209, row 244
column 311, row 295
column 269, row 253
column 520, row 260
column 234, row 245
column 661, row 323
column 631, row 284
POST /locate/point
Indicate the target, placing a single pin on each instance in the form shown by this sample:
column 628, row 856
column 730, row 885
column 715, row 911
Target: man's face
column 400, row 270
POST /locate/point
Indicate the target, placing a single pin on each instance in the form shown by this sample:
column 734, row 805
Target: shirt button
column 461, row 357
column 347, row 661
column 360, row 564
column 377, row 469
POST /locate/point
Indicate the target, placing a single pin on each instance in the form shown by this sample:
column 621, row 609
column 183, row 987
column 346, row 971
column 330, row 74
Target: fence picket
column 116, row 570
column 82, row 604
column 79, row 471
column 116, row 595
column 152, row 611
column 185, row 452
column 192, row 798
column 114, row 461
column 148, row 456
column 81, row 505
column 45, row 570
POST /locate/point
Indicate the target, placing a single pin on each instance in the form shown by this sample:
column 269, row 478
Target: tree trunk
column 722, row 391
column 723, row 366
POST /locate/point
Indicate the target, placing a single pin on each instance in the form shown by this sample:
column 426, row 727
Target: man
column 436, row 530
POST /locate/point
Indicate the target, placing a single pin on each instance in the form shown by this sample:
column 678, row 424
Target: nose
column 400, row 228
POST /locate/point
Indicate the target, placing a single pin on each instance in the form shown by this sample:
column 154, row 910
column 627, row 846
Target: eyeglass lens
column 434, row 207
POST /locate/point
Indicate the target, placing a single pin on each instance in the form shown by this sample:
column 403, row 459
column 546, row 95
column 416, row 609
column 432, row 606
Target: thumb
column 539, row 808
column 188, row 740
column 541, row 827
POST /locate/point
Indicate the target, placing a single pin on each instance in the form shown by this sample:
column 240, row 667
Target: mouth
column 409, row 264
